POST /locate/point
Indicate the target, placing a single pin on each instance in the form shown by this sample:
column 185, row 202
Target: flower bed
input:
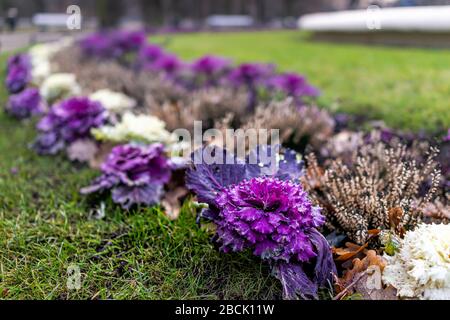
column 115, row 100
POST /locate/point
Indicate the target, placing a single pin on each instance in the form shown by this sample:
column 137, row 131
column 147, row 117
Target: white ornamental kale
column 421, row 268
column 134, row 128
column 114, row 102
column 41, row 55
column 60, row 86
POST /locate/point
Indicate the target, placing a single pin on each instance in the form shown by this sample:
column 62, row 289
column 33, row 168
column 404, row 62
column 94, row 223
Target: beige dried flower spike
column 297, row 125
column 360, row 197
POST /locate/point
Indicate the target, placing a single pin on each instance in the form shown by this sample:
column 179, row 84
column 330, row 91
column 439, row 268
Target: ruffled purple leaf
column 17, row 78
column 290, row 167
column 105, row 182
column 207, row 180
column 295, row 282
column 263, row 161
column 18, row 73
column 126, row 196
column 211, row 214
column 324, row 263
column 48, row 143
column 25, row 104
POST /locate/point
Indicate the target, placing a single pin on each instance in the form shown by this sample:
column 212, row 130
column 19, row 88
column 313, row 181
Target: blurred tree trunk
column 109, row 13
column 4, row 6
column 290, row 8
column 152, row 12
column 257, row 11
column 262, row 17
column 253, row 9
column 41, row 5
column 168, row 15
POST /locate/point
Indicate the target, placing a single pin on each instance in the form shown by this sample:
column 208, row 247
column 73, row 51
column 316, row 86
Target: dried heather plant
column 438, row 210
column 298, row 126
column 381, row 180
column 206, row 105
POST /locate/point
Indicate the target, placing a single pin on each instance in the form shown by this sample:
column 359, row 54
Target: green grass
column 408, row 88
column 46, row 226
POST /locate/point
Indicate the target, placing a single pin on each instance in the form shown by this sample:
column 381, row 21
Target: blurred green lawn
column 407, row 87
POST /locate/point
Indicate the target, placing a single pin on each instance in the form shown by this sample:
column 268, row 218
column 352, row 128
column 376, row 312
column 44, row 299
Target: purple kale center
column 271, row 216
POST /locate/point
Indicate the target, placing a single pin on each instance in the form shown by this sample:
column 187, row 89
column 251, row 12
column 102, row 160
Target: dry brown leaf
column 375, row 290
column 365, row 279
column 350, row 251
column 373, row 232
column 395, row 217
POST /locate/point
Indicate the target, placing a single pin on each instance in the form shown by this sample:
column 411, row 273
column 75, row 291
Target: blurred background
column 398, row 73
column 185, row 14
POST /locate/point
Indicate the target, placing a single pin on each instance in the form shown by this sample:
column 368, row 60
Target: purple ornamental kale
column 251, row 76
column 18, row 73
column 112, row 44
column 25, row 104
column 134, row 174
column 98, row 45
column 269, row 214
column 147, row 56
column 294, row 85
column 170, row 64
column 208, row 70
column 447, row 137
column 129, row 41
column 210, row 65
column 21, row 59
column 17, row 79
column 67, row 122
